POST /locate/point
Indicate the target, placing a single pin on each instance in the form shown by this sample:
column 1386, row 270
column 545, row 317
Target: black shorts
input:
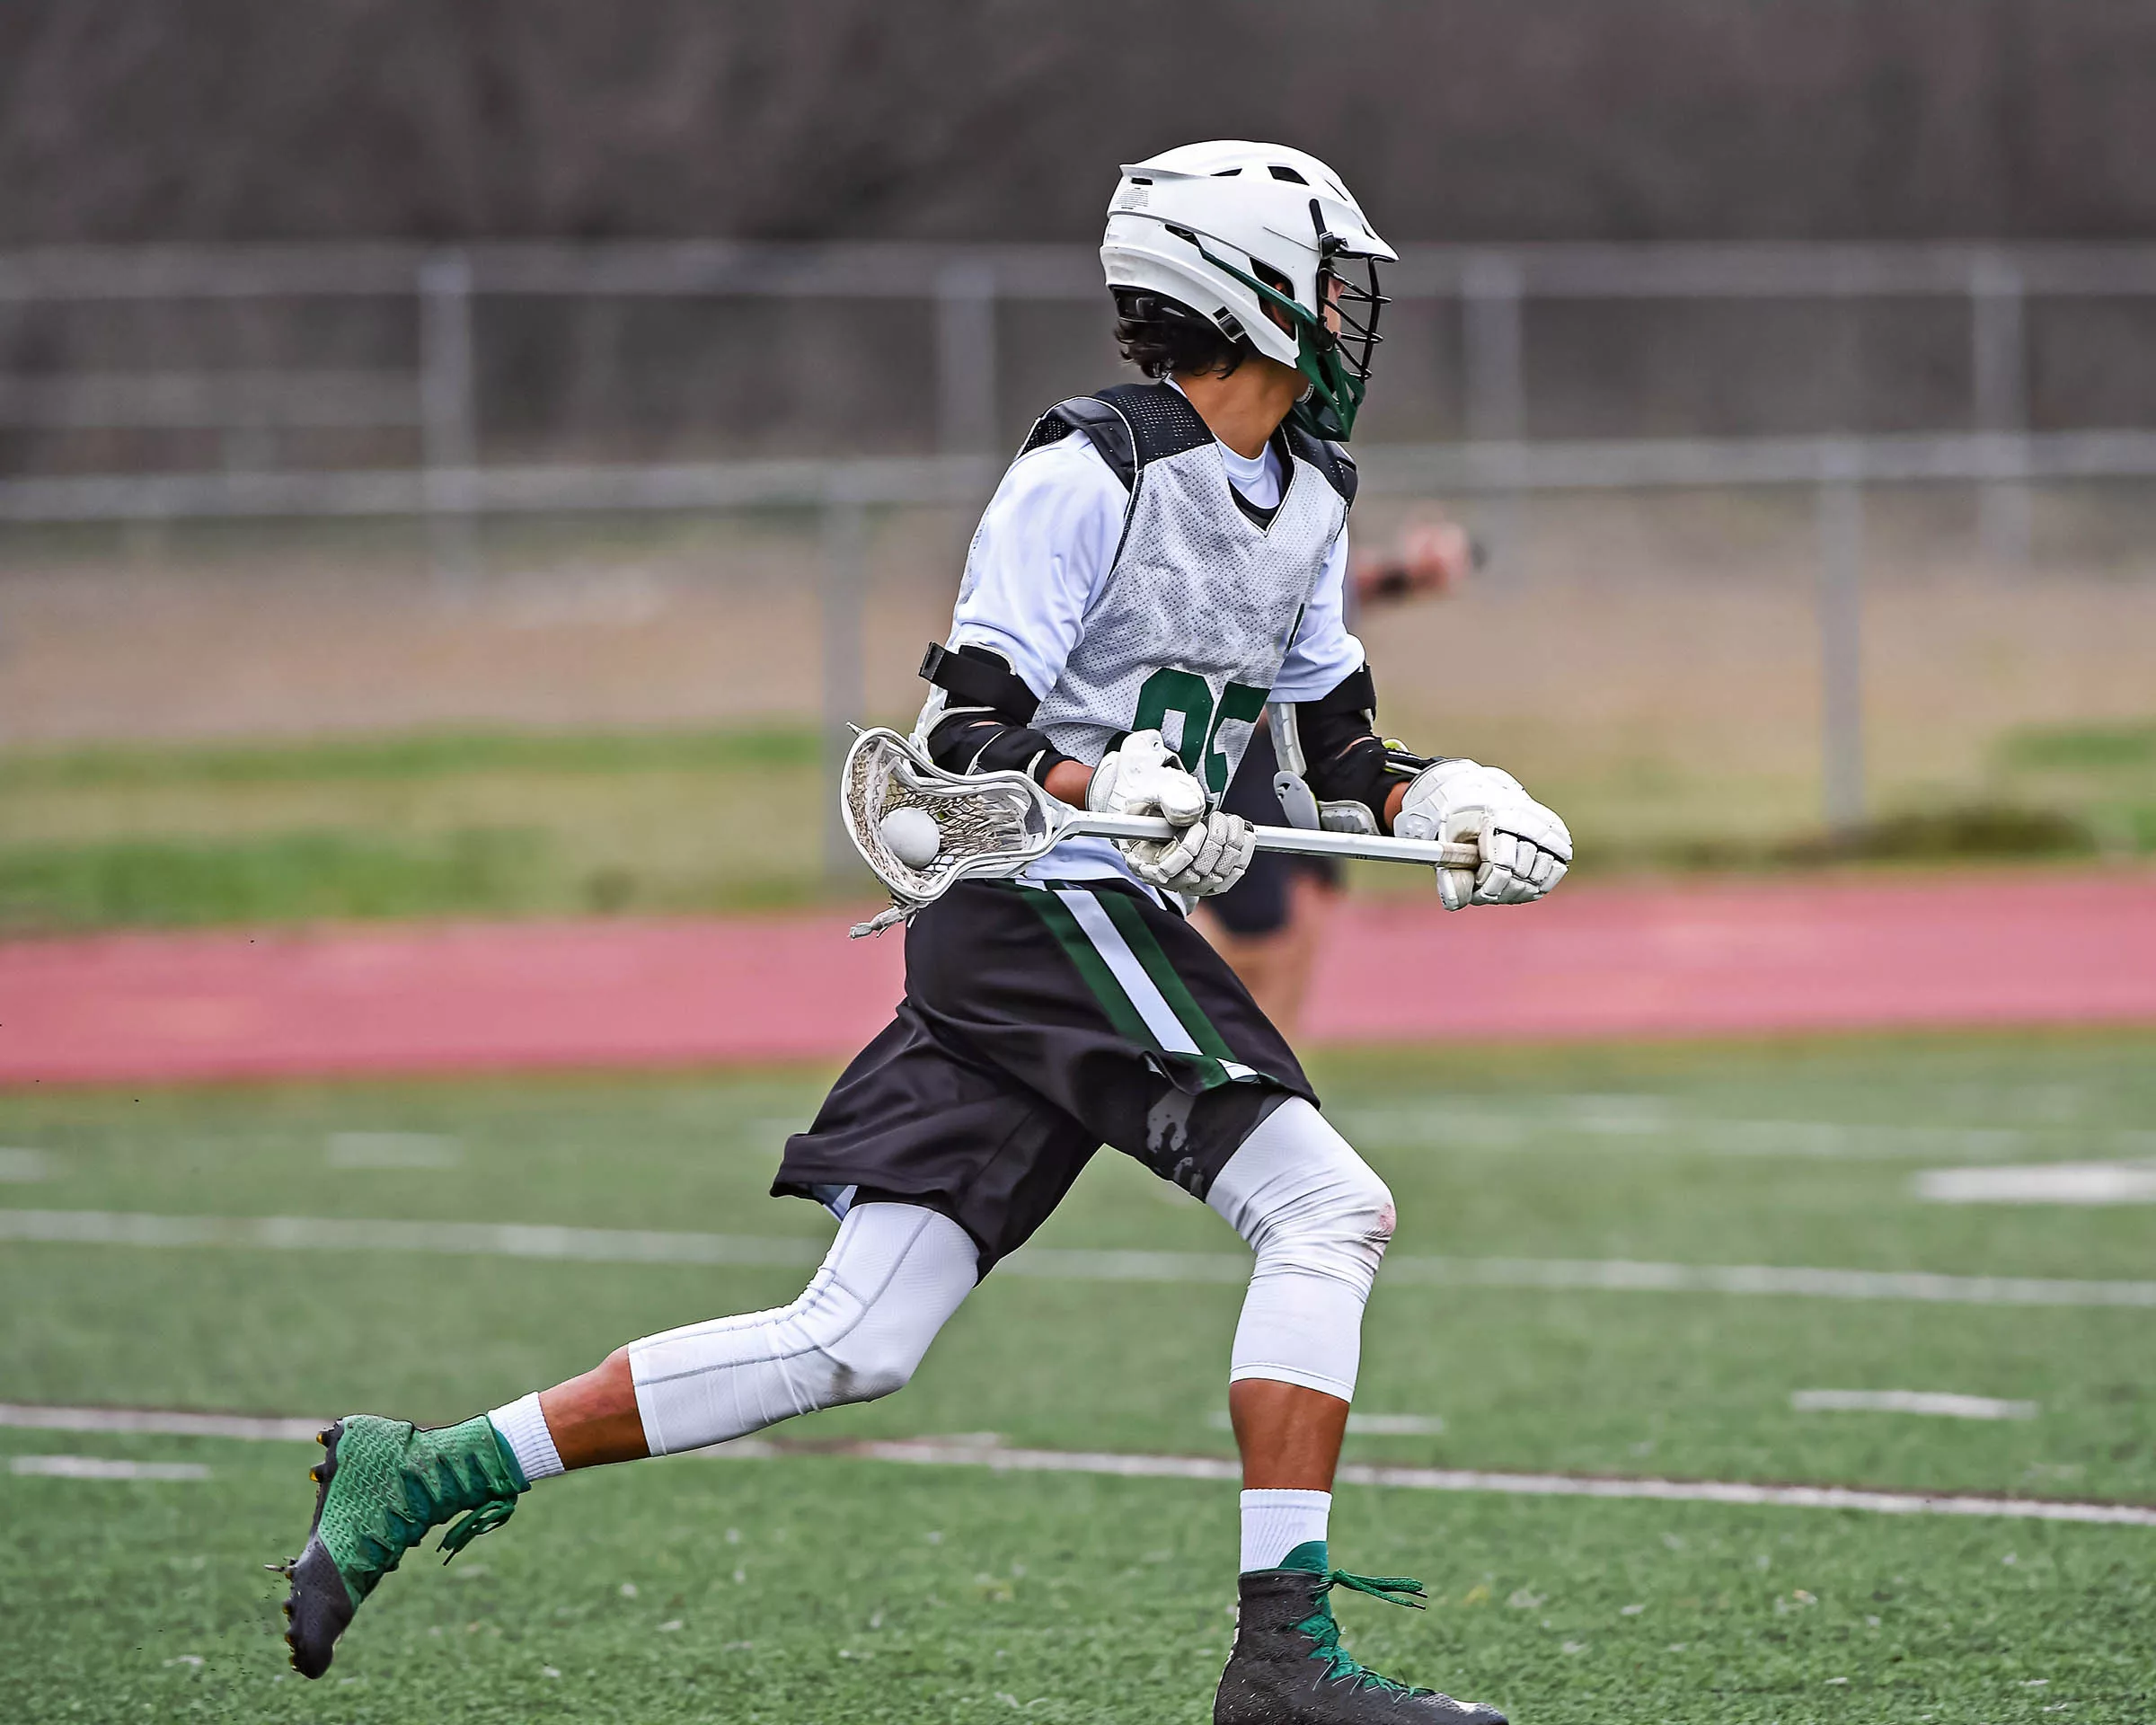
column 1260, row 903
column 1040, row 1022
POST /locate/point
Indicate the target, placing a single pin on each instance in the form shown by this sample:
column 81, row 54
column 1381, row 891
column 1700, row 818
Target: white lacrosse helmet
column 1228, row 229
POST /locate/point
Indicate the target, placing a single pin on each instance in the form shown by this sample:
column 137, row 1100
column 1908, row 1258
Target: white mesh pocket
column 989, row 823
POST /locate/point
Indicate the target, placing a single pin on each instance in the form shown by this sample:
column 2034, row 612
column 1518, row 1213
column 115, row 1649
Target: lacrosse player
column 1161, row 561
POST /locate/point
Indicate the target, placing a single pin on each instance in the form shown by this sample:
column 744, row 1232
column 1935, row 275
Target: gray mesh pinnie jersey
column 1189, row 630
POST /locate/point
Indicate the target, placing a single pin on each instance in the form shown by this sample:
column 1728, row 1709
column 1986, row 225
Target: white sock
column 523, row 1427
column 1274, row 1523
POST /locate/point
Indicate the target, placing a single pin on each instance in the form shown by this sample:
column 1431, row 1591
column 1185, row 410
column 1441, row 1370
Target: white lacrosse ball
column 911, row 836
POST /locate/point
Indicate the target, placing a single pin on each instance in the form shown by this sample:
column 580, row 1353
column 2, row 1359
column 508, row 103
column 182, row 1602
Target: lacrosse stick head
column 986, row 823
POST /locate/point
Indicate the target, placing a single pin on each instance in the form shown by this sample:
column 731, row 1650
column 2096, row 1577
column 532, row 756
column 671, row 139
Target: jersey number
column 1185, row 694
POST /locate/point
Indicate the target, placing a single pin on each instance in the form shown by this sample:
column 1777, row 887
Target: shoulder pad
column 1105, row 428
column 1162, row 422
column 1130, row 424
column 1330, row 459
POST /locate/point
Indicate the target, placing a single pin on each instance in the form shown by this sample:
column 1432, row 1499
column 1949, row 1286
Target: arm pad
column 1348, row 760
column 990, row 732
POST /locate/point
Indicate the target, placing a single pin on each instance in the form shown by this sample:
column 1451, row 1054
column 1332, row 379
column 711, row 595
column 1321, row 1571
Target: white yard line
column 1362, row 1425
column 652, row 1246
column 100, row 1467
column 463, row 1239
column 975, row 1452
column 1076, row 1264
column 2041, row 1182
column 1647, row 1123
column 160, row 1422
column 1930, row 1401
column 1555, row 1485
column 1623, row 1275
column 1395, row 1425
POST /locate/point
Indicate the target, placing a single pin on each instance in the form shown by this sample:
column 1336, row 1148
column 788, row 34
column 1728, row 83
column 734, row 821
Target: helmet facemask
column 1335, row 362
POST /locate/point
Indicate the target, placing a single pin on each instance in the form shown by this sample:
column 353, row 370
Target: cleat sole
column 317, row 1614
column 318, row 1608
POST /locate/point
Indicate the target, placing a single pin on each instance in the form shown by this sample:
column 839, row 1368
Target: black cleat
column 1288, row 1666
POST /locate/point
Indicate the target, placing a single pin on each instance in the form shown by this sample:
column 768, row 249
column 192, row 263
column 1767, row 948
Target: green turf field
column 426, row 824
column 801, row 1587
column 519, row 824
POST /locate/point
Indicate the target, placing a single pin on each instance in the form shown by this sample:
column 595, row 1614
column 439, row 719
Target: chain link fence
column 455, row 388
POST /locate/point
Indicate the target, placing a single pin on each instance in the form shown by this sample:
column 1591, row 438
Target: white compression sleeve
column 1319, row 1220
column 894, row 1275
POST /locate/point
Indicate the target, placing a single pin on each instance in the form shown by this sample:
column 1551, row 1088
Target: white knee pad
column 894, row 1275
column 1319, row 1220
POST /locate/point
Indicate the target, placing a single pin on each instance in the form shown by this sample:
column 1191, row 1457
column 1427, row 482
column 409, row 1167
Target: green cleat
column 381, row 1484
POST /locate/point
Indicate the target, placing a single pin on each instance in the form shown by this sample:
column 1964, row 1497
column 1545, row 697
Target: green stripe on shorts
column 1130, row 923
column 1094, row 968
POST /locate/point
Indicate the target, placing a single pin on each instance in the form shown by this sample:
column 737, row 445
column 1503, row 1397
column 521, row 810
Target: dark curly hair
column 1159, row 336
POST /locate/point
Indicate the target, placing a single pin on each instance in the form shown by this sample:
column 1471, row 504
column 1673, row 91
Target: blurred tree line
column 221, row 119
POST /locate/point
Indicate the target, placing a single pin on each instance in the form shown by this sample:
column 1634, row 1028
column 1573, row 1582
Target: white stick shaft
column 1297, row 841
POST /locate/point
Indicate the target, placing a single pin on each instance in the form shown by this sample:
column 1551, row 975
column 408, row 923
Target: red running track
column 1701, row 960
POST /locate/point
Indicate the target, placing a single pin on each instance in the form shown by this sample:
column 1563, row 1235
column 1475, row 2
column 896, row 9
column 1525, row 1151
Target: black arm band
column 977, row 677
column 1348, row 760
column 972, row 742
column 989, row 726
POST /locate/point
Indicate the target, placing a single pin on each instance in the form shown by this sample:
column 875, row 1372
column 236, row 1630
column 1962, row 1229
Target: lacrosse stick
column 993, row 824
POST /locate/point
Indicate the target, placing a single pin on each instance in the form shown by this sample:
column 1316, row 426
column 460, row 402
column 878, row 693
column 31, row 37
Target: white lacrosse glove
column 1144, row 777
column 1526, row 848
